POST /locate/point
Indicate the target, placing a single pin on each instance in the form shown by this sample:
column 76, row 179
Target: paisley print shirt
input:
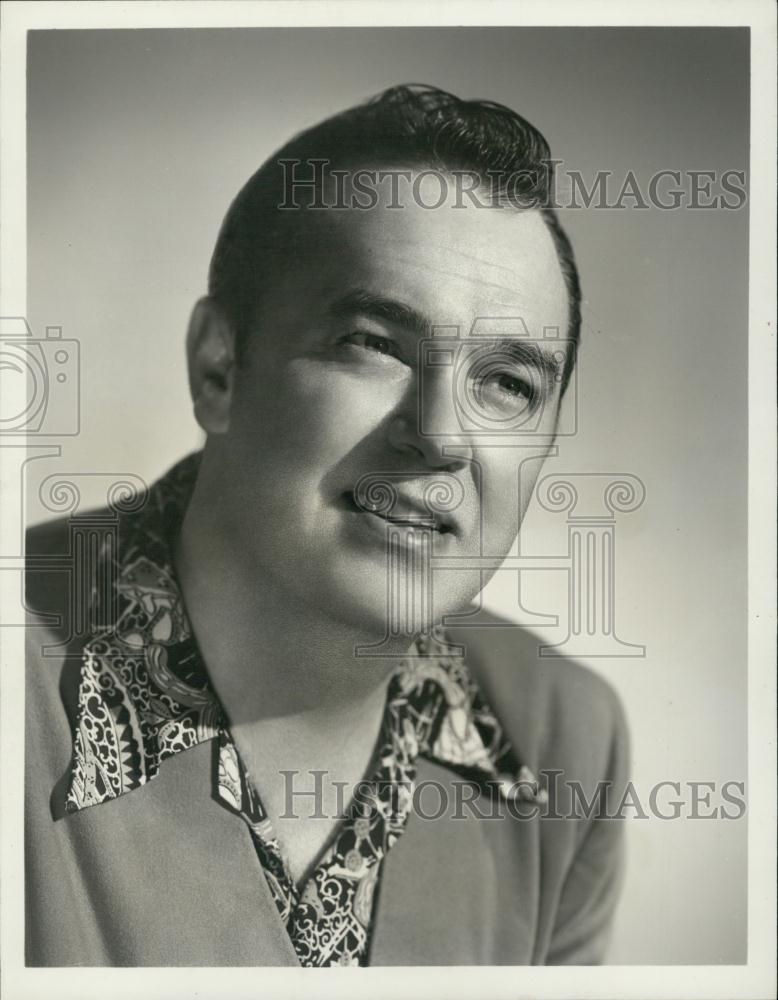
column 144, row 695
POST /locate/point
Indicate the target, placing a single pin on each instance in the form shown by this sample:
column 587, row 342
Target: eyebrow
column 365, row 303
column 531, row 353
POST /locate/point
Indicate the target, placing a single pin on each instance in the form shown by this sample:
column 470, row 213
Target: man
column 227, row 769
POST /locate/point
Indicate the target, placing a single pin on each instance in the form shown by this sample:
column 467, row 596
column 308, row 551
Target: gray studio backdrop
column 139, row 139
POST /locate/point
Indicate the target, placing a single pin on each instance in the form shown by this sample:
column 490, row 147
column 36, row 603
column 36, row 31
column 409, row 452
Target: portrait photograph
column 388, row 469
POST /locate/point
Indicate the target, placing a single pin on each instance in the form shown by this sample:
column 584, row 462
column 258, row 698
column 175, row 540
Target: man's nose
column 429, row 424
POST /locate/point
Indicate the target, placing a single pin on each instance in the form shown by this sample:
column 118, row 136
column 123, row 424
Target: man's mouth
column 404, row 512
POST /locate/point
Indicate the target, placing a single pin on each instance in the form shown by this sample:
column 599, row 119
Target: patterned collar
column 144, row 695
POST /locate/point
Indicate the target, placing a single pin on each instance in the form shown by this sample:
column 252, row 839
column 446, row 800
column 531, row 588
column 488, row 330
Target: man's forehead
column 494, row 263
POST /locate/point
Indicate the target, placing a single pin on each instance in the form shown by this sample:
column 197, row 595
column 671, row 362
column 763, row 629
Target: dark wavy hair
column 411, row 125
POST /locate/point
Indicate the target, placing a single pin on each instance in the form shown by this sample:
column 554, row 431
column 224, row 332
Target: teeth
column 409, row 518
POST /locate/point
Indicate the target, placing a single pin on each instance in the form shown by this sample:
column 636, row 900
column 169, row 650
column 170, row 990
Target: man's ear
column 210, row 352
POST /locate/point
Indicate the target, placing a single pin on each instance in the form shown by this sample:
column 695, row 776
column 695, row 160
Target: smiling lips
column 405, row 511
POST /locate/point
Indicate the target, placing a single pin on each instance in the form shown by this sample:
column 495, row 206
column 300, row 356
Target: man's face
column 335, row 388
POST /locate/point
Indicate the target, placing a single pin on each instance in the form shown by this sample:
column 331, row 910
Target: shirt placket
column 329, row 918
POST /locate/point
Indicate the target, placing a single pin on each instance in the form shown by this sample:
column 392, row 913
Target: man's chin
column 387, row 617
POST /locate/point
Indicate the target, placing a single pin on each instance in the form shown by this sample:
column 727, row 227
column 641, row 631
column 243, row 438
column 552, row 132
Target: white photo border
column 756, row 979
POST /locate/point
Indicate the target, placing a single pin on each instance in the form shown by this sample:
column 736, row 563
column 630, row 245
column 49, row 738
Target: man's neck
column 296, row 697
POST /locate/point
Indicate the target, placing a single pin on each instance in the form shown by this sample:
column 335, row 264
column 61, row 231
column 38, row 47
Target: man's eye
column 373, row 342
column 506, row 392
column 508, row 385
column 514, row 386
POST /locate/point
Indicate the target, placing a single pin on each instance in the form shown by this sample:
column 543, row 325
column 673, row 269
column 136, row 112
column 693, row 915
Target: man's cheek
column 288, row 417
column 333, row 410
column 498, row 495
column 505, row 492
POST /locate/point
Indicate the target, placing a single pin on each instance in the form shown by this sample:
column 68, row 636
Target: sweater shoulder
column 555, row 710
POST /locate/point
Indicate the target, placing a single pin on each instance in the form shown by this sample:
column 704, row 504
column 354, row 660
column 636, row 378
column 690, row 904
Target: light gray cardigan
column 166, row 876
